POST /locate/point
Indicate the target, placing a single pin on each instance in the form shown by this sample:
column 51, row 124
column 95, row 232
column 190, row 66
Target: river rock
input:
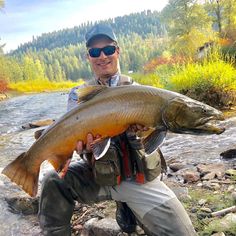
column 209, row 176
column 191, row 176
column 216, row 170
column 206, row 209
column 231, row 172
column 226, row 224
column 202, row 202
column 177, row 166
column 39, row 123
column 229, row 154
column 105, row 227
column 218, row 234
column 211, row 186
column 23, row 205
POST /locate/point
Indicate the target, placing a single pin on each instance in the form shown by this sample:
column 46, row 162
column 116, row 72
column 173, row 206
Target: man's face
column 104, row 66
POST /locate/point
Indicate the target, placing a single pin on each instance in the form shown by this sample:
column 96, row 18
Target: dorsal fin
column 89, row 91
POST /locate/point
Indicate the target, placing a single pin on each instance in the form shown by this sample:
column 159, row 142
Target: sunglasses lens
column 95, row 52
column 108, row 51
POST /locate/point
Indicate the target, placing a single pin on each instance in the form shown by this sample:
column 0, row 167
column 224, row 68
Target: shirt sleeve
column 72, row 101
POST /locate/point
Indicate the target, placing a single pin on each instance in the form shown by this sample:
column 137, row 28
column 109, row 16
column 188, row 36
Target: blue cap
column 100, row 29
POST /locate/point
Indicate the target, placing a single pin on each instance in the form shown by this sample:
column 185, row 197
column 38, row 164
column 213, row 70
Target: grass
column 215, row 201
column 148, row 79
column 42, row 85
column 208, row 75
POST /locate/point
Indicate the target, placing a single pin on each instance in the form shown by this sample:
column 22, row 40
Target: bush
column 42, row 85
column 213, row 82
column 148, row 79
column 3, row 86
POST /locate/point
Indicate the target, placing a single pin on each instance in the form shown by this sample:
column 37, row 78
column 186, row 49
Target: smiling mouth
column 104, row 63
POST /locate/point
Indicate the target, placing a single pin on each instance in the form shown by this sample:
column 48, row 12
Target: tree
column 223, row 14
column 2, row 45
column 186, row 21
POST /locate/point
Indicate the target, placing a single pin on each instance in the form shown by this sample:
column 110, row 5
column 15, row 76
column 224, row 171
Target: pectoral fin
column 100, row 147
column 154, row 140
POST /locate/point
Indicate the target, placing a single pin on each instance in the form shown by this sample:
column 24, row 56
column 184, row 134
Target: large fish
column 109, row 112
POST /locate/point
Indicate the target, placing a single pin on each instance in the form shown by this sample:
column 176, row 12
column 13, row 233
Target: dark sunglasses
column 108, row 51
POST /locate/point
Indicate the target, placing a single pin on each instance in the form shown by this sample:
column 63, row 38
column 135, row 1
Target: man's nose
column 102, row 55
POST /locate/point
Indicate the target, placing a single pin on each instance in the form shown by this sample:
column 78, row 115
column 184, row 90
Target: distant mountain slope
column 143, row 24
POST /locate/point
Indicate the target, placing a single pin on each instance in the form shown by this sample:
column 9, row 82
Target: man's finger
column 89, row 141
column 79, row 147
column 141, row 127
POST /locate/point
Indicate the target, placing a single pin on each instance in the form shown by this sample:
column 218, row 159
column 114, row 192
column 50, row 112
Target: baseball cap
column 100, row 29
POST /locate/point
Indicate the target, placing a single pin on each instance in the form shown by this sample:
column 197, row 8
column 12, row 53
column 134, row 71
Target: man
column 153, row 204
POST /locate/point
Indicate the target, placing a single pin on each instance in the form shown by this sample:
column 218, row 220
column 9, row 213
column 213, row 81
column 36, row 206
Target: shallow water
column 14, row 140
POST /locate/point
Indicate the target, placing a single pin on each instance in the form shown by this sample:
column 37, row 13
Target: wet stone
column 106, row 227
column 191, row 176
column 206, row 209
column 23, row 205
column 231, row 172
column 224, row 224
column 201, row 202
column 229, row 154
column 218, row 234
column 176, row 166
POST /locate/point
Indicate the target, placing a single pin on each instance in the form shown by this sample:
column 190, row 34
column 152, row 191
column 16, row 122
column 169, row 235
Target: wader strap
column 163, row 162
column 139, row 175
column 124, row 80
column 126, row 162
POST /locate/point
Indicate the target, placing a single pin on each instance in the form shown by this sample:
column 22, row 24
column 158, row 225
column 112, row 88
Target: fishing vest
column 122, row 162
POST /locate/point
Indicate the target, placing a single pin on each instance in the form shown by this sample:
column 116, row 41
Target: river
column 21, row 110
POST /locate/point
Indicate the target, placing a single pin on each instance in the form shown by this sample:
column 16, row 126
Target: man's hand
column 131, row 133
column 136, row 127
column 81, row 148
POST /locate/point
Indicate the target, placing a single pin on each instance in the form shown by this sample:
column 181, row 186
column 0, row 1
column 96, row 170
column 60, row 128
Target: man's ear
column 118, row 50
column 87, row 56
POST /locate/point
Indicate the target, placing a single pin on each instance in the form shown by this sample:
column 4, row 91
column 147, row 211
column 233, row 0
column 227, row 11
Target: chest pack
column 121, row 162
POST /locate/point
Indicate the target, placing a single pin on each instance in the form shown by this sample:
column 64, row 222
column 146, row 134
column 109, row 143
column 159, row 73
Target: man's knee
column 50, row 177
column 168, row 219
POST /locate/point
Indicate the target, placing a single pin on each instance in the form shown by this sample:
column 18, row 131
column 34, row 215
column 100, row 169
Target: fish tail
column 17, row 171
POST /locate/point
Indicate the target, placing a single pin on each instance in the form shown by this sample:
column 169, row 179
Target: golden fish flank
column 109, row 112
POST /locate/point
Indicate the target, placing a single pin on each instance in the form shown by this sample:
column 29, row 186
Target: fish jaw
column 185, row 115
column 210, row 125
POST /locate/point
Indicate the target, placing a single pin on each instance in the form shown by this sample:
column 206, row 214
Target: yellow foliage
column 42, row 85
column 148, row 79
column 214, row 74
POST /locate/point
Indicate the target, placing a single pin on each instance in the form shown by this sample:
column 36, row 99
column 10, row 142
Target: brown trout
column 109, row 112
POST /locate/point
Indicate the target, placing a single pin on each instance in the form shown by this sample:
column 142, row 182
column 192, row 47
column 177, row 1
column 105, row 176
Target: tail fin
column 18, row 172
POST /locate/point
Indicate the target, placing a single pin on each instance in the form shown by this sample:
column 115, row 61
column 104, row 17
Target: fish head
column 185, row 115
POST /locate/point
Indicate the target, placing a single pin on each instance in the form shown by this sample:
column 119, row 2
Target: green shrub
column 148, row 79
column 213, row 82
column 41, row 85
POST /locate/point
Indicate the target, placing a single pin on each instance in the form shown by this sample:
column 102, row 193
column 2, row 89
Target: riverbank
column 188, row 150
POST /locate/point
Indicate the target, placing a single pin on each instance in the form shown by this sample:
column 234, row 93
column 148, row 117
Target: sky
column 22, row 19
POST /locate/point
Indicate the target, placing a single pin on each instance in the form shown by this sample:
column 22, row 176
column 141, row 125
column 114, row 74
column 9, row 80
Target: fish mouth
column 211, row 125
